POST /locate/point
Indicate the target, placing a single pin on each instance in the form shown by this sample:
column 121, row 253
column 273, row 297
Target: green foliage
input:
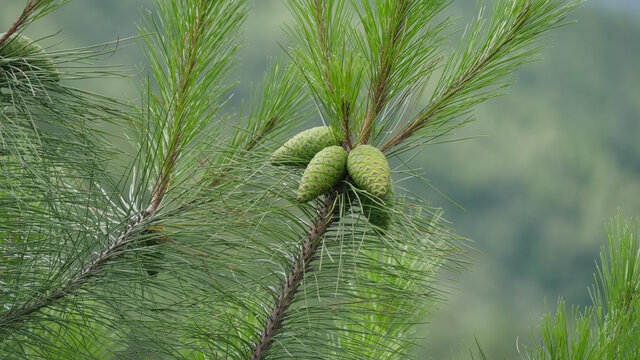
column 190, row 48
column 18, row 46
column 608, row 329
column 52, row 160
column 481, row 354
column 33, row 10
column 75, row 235
column 376, row 209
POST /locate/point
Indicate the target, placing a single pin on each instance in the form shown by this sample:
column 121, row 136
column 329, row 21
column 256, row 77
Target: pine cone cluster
column 327, row 164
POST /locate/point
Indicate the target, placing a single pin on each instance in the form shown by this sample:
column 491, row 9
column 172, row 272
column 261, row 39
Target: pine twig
column 345, row 107
column 379, row 87
column 425, row 116
column 184, row 81
column 326, row 55
column 300, row 267
column 32, row 5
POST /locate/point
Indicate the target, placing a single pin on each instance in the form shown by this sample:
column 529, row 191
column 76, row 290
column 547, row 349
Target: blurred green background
column 553, row 160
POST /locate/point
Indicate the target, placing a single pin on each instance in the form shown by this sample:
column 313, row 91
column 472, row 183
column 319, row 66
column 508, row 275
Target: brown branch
column 24, row 17
column 427, row 114
column 345, row 108
column 299, row 268
column 379, row 87
column 184, row 81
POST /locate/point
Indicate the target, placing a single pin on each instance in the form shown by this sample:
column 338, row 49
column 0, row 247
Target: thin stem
column 345, row 106
column 184, row 81
column 299, row 268
column 425, row 116
column 26, row 13
column 269, row 125
column 326, row 55
column 379, row 87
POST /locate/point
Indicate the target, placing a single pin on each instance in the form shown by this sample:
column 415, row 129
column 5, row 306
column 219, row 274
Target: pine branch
column 32, row 10
column 185, row 78
column 608, row 328
column 115, row 249
column 481, row 67
column 319, row 10
column 458, row 86
column 328, row 64
column 401, row 41
column 320, row 7
column 24, row 17
column 300, row 267
column 189, row 59
column 379, row 87
column 184, row 95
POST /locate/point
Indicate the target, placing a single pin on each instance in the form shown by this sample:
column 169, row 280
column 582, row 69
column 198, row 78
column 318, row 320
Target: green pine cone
column 369, row 169
column 377, row 209
column 324, row 171
column 300, row 149
column 20, row 46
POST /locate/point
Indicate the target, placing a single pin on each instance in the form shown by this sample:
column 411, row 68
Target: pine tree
column 190, row 243
column 607, row 329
